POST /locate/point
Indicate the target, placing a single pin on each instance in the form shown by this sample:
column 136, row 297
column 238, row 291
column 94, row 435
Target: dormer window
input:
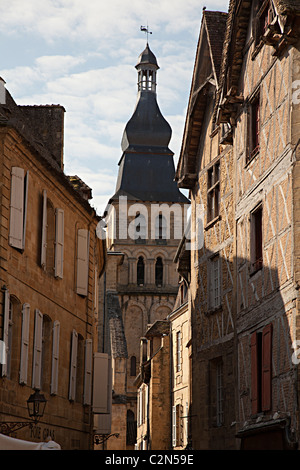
column 264, row 16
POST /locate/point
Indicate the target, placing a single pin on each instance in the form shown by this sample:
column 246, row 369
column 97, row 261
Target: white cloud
column 82, row 55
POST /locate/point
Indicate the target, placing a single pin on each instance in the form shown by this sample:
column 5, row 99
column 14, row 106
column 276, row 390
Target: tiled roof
column 216, row 26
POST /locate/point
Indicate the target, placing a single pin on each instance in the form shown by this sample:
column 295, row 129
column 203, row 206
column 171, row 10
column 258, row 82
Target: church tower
column 145, row 221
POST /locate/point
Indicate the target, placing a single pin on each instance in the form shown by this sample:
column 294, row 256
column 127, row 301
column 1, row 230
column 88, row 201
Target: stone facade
column 239, row 160
column 50, row 261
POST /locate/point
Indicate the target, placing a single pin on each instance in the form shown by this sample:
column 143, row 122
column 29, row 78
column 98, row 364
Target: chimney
column 47, row 125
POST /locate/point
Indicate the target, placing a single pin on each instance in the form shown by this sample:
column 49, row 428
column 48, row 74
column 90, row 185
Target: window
column 261, row 370
column 159, row 268
column 263, row 18
column 73, row 366
column 24, row 344
column 160, row 228
column 219, row 388
column 213, row 192
column 140, row 229
column 18, row 207
column 46, row 353
column 133, row 366
column 52, row 238
column 79, row 370
column 254, row 127
column 131, row 428
column 12, row 337
column 140, row 271
column 214, row 293
column 217, row 392
column 83, row 243
column 177, row 426
column 55, row 357
column 256, row 245
column 178, row 351
column 37, row 351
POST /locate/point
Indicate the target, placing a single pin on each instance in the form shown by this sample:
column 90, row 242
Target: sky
column 82, row 55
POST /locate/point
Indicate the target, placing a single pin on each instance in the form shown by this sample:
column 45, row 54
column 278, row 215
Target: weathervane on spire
column 146, row 30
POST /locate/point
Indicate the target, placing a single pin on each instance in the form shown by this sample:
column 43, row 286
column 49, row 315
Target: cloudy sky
column 82, row 55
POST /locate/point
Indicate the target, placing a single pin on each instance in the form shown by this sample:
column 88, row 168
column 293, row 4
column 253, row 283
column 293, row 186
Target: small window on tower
column 140, row 271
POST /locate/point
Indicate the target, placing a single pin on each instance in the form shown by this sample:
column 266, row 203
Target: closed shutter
column 254, row 374
column 55, row 358
column 174, row 425
column 87, row 395
column 59, row 243
column 266, row 368
column 24, row 344
column 82, row 261
column 16, row 208
column 187, row 422
column 44, row 231
column 102, row 385
column 37, row 351
column 73, row 366
column 5, row 331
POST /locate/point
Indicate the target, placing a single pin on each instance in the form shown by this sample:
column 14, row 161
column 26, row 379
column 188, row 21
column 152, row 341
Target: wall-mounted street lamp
column 36, row 404
column 101, row 438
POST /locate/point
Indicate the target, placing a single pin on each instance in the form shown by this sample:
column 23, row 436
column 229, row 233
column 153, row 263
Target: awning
column 10, row 443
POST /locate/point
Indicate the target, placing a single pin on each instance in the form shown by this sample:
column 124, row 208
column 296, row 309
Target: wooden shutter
column 5, row 331
column 44, row 231
column 82, row 261
column 24, row 344
column 102, row 383
column 267, row 368
column 59, row 243
column 73, row 366
column 87, row 391
column 55, row 358
column 16, row 224
column 37, row 351
column 174, row 426
column 254, row 374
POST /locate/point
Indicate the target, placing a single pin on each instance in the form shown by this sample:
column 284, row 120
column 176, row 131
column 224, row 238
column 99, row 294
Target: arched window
column 160, row 227
column 140, row 271
column 140, row 228
column 159, row 268
column 133, row 366
column 131, row 428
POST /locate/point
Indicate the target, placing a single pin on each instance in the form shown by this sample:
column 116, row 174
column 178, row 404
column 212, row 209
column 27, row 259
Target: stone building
column 50, row 262
column 240, row 161
column 145, row 222
column 164, row 378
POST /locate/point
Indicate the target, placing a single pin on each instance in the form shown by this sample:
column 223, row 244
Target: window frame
column 253, row 126
column 214, row 277
column 213, row 191
column 256, row 239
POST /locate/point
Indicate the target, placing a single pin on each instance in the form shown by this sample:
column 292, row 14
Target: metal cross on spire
column 145, row 29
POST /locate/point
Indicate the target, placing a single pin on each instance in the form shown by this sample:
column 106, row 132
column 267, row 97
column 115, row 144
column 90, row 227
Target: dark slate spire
column 146, row 168
column 147, row 129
